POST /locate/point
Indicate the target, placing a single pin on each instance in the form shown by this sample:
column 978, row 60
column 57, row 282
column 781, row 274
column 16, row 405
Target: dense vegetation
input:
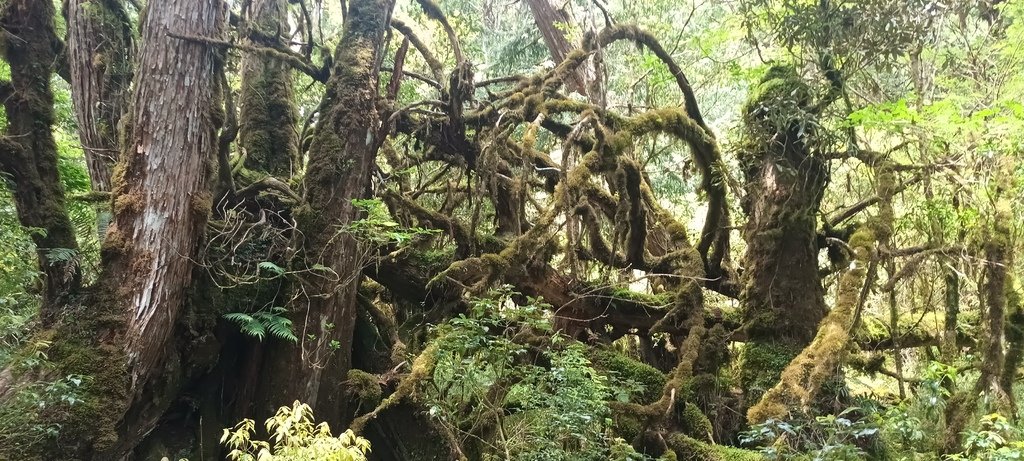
column 518, row 230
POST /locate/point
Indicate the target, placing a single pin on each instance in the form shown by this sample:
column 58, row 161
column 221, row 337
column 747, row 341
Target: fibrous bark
column 100, row 54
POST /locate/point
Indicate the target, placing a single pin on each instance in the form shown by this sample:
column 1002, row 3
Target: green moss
column 627, row 368
column 365, row 386
column 695, row 423
column 690, row 449
column 761, row 364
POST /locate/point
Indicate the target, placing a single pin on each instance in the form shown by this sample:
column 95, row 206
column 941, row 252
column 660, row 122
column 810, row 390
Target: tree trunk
column 28, row 152
column 119, row 333
column 551, row 22
column 268, row 123
column 100, row 60
column 782, row 298
column 341, row 158
column 161, row 203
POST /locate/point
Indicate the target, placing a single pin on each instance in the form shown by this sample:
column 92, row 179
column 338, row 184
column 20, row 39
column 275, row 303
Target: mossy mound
column 761, row 364
column 628, row 368
column 689, row 449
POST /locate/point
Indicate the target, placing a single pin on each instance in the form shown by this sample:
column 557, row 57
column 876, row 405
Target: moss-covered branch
column 803, row 377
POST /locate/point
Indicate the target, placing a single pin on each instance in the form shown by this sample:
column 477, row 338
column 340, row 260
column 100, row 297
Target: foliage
column 502, row 367
column 260, row 323
column 23, row 428
column 994, row 440
column 378, row 228
column 823, row 438
column 293, row 437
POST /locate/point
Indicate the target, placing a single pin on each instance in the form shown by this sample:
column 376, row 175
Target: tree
column 341, row 159
column 28, row 152
column 99, row 56
column 124, row 339
column 413, row 223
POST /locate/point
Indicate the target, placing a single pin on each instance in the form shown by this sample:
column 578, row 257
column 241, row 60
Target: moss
column 202, row 204
column 364, row 386
column 761, row 364
column 695, row 424
column 90, row 423
column 422, row 369
column 804, row 377
column 128, row 203
column 268, row 116
column 627, row 368
column 690, row 449
column 774, row 101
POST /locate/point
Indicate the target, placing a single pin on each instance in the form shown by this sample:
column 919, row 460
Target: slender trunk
column 100, row 60
column 268, row 131
column 998, row 260
column 952, row 311
column 995, row 292
column 341, row 158
column 28, row 152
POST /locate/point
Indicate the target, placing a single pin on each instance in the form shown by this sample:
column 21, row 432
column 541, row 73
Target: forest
column 417, row 230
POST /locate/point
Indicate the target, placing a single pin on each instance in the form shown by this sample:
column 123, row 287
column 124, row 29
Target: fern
column 61, row 255
column 272, row 268
column 261, row 323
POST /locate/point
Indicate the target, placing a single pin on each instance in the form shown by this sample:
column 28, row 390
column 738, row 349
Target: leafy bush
column 825, row 438
column 293, row 437
column 502, row 372
column 993, row 441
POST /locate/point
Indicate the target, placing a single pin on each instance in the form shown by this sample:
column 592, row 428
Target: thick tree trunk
column 268, row 132
column 783, row 298
column 119, row 334
column 28, row 152
column 161, row 203
column 161, row 187
column 341, row 158
column 100, row 60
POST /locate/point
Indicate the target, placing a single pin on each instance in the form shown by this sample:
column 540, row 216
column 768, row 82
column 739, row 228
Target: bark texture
column 268, row 122
column 161, row 191
column 28, row 152
column 551, row 22
column 161, row 204
column 341, row 157
column 100, row 61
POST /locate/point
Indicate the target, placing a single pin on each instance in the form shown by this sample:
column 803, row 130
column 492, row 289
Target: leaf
column 271, row 267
